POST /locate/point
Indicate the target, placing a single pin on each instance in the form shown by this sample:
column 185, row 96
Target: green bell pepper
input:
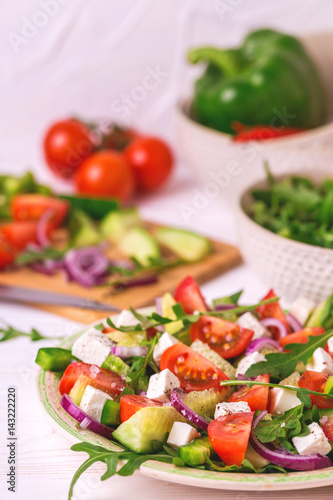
column 269, row 80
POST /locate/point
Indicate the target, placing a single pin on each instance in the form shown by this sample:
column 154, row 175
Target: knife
column 9, row 293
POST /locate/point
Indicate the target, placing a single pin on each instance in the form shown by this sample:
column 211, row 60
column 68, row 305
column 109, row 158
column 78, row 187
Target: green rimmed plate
column 48, row 390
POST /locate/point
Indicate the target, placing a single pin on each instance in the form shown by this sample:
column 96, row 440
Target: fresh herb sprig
column 31, row 256
column 282, row 427
column 8, row 332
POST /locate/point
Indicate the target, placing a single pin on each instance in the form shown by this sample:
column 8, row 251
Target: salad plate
column 49, row 396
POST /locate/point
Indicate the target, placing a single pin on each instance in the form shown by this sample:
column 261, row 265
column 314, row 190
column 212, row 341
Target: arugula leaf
column 283, row 426
column 221, row 467
column 137, row 378
column 8, row 332
column 31, row 256
column 283, row 364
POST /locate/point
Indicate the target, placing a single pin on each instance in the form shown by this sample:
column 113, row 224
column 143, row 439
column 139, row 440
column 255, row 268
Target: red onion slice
column 294, row 323
column 87, row 422
column 275, row 323
column 177, row 401
column 86, row 265
column 42, row 228
column 258, row 344
column 127, row 352
column 144, row 280
column 283, row 457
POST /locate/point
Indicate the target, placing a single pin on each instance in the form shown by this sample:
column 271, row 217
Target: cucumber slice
column 195, row 453
column 138, row 243
column 148, row 425
column 185, row 244
column 208, row 353
column 256, row 460
column 115, row 224
column 82, row 229
column 110, row 413
column 291, row 380
column 167, row 303
column 116, row 365
column 127, row 339
column 329, row 386
column 204, row 402
column 77, row 391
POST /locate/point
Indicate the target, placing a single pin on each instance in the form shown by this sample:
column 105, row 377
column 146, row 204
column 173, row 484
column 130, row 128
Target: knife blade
column 9, row 293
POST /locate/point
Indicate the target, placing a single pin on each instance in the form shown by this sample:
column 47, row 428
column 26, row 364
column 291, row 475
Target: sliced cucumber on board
column 189, row 246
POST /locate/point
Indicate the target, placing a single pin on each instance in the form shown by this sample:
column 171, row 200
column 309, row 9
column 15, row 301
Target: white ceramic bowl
column 214, row 158
column 292, row 268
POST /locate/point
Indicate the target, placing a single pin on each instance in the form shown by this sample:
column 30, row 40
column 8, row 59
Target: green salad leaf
column 282, row 427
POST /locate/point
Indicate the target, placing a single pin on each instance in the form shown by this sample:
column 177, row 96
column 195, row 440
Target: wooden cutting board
column 223, row 257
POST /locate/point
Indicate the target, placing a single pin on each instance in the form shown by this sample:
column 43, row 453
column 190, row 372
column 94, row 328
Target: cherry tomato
column 7, row 253
column 151, row 160
column 195, row 372
column 256, row 397
column 130, row 404
column 32, row 206
column 273, row 310
column 316, row 381
column 229, row 436
column 106, row 173
column 189, row 295
column 66, row 144
column 262, row 132
column 302, row 336
column 20, row 234
column 327, row 426
column 104, row 380
column 227, row 339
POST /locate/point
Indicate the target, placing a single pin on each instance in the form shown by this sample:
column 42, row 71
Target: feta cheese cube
column 248, row 361
column 92, row 347
column 181, row 434
column 228, row 408
column 313, row 443
column 301, row 309
column 248, row 320
column 282, row 400
column 125, row 318
column 93, row 401
column 330, row 344
column 165, row 341
column 320, row 362
column 161, row 385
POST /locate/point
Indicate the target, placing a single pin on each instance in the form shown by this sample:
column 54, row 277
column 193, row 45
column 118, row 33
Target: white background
column 80, row 62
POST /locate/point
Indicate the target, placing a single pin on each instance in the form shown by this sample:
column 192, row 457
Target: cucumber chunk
column 138, row 243
column 256, row 460
column 185, row 244
column 54, row 358
column 208, row 353
column 204, row 402
column 148, row 425
column 110, row 413
column 127, row 339
column 115, row 224
column 77, row 391
column 195, row 452
column 167, row 303
column 116, row 365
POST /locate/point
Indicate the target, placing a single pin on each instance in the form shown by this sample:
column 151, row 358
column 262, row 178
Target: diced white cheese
column 330, row 344
column 92, row 347
column 125, row 318
column 248, row 361
column 161, row 384
column 301, row 309
column 320, row 362
column 282, row 400
column 248, row 320
column 313, row 443
column 93, row 401
column 181, row 434
column 165, row 341
column 228, row 408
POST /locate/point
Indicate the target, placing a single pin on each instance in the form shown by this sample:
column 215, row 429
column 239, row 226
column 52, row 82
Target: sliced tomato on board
column 32, row 206
column 273, row 310
column 227, row 339
column 229, row 436
column 130, row 404
column 195, row 372
column 20, row 234
column 256, row 396
column 327, row 426
column 315, row 381
column 302, row 336
column 7, row 253
column 104, row 380
column 189, row 295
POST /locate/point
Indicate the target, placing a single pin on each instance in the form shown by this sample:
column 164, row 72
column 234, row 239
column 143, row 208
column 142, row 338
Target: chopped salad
column 222, row 387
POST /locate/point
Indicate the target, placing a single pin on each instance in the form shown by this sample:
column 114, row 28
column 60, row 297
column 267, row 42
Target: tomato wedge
column 227, row 339
column 327, row 426
column 273, row 310
column 316, row 381
column 7, row 253
column 104, row 380
column 20, row 234
column 190, row 297
column 229, row 436
column 195, row 372
column 256, row 397
column 130, row 404
column 302, row 336
column 32, row 206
